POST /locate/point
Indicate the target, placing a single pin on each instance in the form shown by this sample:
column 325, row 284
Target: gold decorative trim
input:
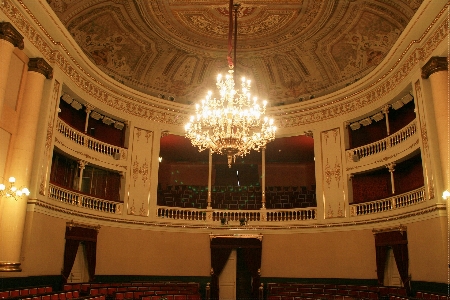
column 240, row 236
column 390, row 229
column 72, row 224
column 10, row 34
column 434, row 65
column 173, row 115
column 209, row 226
column 39, row 65
column 6, row 266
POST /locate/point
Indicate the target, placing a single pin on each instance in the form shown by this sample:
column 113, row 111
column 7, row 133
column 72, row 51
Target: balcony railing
column 85, row 201
column 273, row 215
column 388, row 204
column 90, row 142
column 384, row 144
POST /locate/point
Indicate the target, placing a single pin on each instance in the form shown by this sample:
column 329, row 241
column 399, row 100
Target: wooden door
column 79, row 271
column 227, row 279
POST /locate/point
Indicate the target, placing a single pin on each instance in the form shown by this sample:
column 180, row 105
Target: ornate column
column 81, row 165
column 385, row 111
column 12, row 218
column 9, row 38
column 436, row 70
column 263, row 177
column 89, row 108
column 209, row 178
column 391, row 170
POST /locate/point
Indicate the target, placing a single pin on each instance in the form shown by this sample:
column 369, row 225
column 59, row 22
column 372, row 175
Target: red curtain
column 221, row 248
column 70, row 252
column 398, row 240
column 75, row 235
column 371, row 186
column 219, row 257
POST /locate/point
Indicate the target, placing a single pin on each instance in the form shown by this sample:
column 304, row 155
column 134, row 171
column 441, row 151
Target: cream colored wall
column 145, row 252
column 349, row 254
column 43, row 245
column 337, row 254
column 428, row 250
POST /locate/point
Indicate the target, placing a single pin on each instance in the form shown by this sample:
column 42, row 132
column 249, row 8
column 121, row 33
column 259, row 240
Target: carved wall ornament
column 39, row 65
column 340, row 212
column 433, row 65
column 10, row 34
column 332, row 172
column 165, row 133
column 424, row 136
column 330, row 212
column 148, row 134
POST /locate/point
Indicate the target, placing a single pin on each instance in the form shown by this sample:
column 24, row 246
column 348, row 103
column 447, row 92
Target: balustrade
column 384, row 144
column 388, row 204
column 84, row 201
column 89, row 142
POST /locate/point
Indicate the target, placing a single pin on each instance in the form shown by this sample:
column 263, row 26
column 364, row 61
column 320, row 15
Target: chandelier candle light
column 12, row 191
column 235, row 123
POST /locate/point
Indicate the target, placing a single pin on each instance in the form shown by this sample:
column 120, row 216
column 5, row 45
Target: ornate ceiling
column 291, row 49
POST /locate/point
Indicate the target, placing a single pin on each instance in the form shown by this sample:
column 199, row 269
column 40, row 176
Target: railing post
column 261, row 292
column 208, row 291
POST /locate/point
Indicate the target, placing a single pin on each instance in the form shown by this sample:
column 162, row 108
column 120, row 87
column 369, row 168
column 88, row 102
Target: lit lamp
column 445, row 195
column 12, row 191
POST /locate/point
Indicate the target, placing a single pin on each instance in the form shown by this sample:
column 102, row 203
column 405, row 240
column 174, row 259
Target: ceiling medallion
column 235, row 123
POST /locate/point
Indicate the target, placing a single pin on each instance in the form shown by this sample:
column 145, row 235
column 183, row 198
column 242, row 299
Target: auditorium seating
column 137, row 290
column 297, row 291
column 237, row 197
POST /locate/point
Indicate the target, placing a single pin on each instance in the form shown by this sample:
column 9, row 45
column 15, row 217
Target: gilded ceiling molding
column 39, row 65
column 10, row 34
column 76, row 73
column 434, row 65
column 168, row 115
column 375, row 91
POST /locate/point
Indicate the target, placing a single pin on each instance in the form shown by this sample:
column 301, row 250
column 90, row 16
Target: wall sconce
column 12, row 191
column 445, row 195
column 160, row 159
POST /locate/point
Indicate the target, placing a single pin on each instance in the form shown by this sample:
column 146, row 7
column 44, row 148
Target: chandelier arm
column 236, row 7
column 230, row 34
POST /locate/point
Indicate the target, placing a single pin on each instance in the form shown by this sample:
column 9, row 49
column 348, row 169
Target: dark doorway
column 243, row 277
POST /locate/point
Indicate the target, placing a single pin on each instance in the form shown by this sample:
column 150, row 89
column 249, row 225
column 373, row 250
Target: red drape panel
column 70, row 252
column 402, row 261
column 381, row 255
column 398, row 240
column 221, row 248
column 252, row 257
column 219, row 257
column 91, row 256
column 75, row 235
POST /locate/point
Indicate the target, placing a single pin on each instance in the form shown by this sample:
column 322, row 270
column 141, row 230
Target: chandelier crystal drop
column 233, row 124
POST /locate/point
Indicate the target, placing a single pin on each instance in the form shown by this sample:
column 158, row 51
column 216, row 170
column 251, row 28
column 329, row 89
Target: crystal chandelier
column 235, row 123
column 12, row 191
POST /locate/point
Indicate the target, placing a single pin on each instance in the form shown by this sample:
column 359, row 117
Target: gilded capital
column 435, row 64
column 39, row 65
column 10, row 34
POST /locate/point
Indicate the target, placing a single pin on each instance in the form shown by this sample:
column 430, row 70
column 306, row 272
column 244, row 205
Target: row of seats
column 137, row 290
column 26, row 292
column 49, row 296
column 131, row 286
column 237, row 188
column 431, row 296
column 291, row 291
column 237, row 200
